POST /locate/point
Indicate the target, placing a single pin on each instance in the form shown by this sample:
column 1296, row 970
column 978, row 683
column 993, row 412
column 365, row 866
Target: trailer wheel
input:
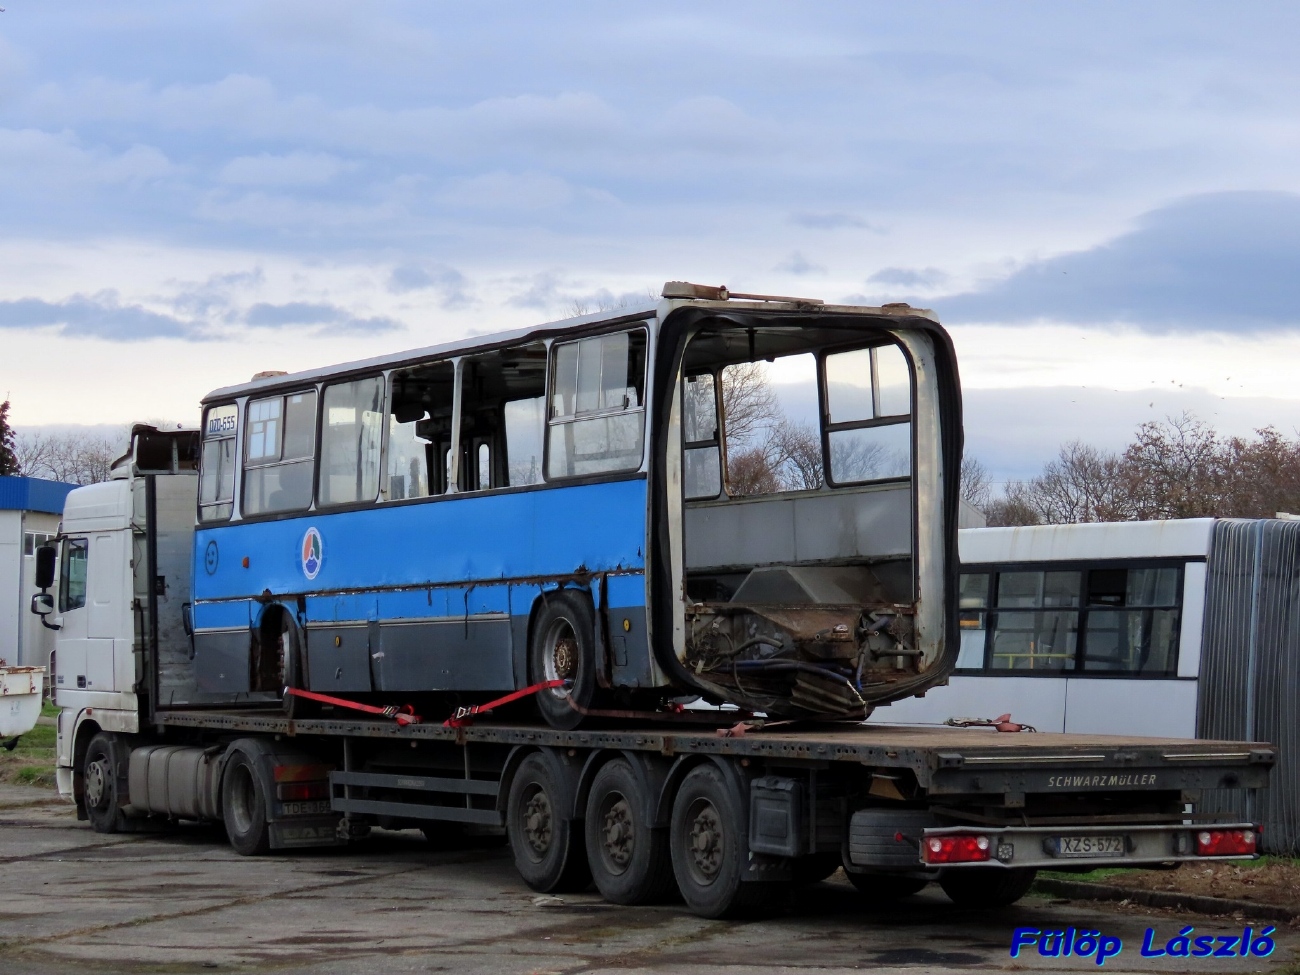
column 547, row 848
column 103, row 769
column 883, row 887
column 987, row 886
column 244, row 807
column 708, row 850
column 629, row 858
column 563, row 648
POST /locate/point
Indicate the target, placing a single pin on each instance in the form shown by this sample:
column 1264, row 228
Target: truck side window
column 597, row 414
column 72, row 578
column 350, row 439
column 217, row 465
column 279, row 453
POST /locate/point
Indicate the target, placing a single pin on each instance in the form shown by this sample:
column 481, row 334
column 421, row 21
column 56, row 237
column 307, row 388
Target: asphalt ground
column 73, row 901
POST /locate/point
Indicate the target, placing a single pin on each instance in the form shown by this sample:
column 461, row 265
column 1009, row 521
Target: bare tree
column 76, row 458
column 1013, row 508
column 1175, row 469
column 976, row 485
column 1081, row 484
column 748, row 404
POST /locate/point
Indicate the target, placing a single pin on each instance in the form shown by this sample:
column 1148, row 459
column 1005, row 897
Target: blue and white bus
column 747, row 498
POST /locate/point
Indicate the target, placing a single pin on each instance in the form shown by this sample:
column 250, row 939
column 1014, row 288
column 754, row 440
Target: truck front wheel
column 103, row 771
column 244, row 806
column 987, row 886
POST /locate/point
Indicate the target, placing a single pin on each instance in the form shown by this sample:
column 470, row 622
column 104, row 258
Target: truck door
column 70, row 663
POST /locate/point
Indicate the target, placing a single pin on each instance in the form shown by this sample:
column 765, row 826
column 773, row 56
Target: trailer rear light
column 1225, row 842
column 956, row 848
column 297, row 791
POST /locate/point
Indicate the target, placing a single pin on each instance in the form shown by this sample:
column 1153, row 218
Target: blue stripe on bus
column 479, row 539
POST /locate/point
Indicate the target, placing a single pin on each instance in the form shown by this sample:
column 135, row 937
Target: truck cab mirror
column 43, row 604
column 47, row 556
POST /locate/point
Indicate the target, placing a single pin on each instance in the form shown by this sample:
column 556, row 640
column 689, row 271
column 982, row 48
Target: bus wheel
column 563, row 648
column 708, row 850
column 547, row 847
column 244, row 806
column 628, row 857
column 884, row 887
column 987, row 886
column 103, row 770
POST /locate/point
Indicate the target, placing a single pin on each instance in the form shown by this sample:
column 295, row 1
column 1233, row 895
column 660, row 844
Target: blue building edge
column 33, row 494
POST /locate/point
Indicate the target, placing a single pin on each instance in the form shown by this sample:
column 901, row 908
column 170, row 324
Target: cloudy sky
column 1102, row 201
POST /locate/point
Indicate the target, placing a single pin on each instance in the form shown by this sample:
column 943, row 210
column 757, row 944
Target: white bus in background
column 1100, row 628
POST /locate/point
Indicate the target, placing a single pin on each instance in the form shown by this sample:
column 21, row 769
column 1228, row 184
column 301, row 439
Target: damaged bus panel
column 743, row 498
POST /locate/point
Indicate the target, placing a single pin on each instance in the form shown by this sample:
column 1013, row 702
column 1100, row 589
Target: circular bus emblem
column 313, row 551
column 210, row 558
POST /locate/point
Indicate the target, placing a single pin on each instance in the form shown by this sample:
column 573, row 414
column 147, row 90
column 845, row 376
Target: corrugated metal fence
column 1250, row 666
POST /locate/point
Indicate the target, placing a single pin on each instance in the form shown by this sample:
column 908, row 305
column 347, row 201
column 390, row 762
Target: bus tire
column 563, row 646
column 547, row 847
column 709, row 850
column 628, row 857
column 244, row 806
column 103, row 771
column 883, row 887
column 987, row 886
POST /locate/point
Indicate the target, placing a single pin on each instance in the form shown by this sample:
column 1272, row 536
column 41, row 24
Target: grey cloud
column 829, row 221
column 99, row 316
column 796, row 263
column 908, row 277
column 451, row 286
column 1222, row 262
column 335, row 320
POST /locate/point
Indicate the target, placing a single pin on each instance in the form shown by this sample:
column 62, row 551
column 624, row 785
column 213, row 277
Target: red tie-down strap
column 465, row 716
column 403, row 714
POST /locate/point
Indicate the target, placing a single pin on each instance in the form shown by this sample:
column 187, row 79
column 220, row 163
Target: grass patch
column 32, row 760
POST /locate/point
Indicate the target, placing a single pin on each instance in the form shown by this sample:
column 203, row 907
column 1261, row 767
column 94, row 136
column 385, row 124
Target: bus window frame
column 1082, row 566
column 639, row 323
column 384, row 376
column 242, row 449
column 827, row 427
column 236, row 459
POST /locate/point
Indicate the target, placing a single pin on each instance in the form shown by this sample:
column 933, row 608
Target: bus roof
column 473, row 342
column 1099, row 540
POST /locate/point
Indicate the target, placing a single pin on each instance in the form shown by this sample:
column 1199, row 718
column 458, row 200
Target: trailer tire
column 244, row 806
column 628, row 857
column 547, row 847
column 708, row 850
column 884, row 887
column 563, row 646
column 987, row 886
column 104, row 769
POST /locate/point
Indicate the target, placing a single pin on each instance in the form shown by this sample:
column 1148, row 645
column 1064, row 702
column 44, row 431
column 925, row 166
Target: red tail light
column 302, row 790
column 956, row 848
column 1225, row 842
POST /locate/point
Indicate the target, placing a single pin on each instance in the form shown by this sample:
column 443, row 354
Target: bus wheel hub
column 566, row 657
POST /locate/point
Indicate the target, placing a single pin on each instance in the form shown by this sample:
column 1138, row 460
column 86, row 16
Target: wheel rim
column 97, row 779
column 560, row 656
column 241, row 799
column 705, row 842
column 537, row 822
column 617, row 833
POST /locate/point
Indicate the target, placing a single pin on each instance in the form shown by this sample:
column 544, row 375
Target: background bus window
column 973, row 601
column 1036, row 623
column 217, row 463
column 279, row 454
column 702, row 469
column 597, row 420
column 869, row 404
column 350, row 439
column 1132, row 621
column 72, row 578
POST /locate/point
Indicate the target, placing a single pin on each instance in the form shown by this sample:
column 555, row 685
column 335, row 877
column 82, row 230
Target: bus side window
column 72, row 578
column 869, row 405
column 501, row 427
column 279, row 455
column 597, row 415
column 350, row 440
column 419, row 428
column 702, row 473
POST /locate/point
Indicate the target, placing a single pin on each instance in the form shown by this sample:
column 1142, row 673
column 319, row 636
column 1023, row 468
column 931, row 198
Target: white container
column 20, row 699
